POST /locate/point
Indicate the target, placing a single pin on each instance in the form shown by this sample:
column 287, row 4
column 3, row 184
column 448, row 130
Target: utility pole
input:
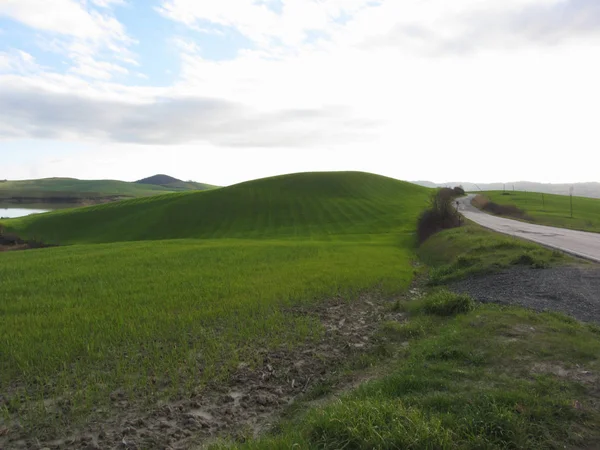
column 571, row 199
column 543, row 203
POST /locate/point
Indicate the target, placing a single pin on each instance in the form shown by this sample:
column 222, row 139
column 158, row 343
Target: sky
column 231, row 90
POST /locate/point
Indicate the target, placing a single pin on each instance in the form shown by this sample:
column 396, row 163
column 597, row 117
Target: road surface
column 578, row 243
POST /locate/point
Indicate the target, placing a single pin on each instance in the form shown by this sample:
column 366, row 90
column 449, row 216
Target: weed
column 527, row 259
column 415, row 328
column 446, row 303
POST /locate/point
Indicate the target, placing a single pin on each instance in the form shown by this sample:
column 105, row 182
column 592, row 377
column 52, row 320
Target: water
column 11, row 213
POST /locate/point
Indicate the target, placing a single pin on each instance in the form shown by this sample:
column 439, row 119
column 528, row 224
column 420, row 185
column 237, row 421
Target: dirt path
column 578, row 243
column 571, row 290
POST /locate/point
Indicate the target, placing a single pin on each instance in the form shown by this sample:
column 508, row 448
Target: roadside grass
column 159, row 319
column 495, row 378
column 307, row 206
column 553, row 210
column 472, row 250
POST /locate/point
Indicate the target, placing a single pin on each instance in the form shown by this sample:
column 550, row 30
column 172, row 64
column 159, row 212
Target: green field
column 553, row 210
column 80, row 321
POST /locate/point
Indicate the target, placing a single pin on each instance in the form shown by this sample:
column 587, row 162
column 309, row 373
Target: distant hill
column 174, row 183
column 591, row 189
column 315, row 205
column 72, row 190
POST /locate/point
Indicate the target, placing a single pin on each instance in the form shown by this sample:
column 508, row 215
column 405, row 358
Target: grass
column 484, row 379
column 306, row 206
column 554, row 210
column 158, row 318
column 472, row 250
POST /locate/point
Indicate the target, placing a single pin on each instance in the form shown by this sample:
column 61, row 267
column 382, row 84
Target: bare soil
column 250, row 402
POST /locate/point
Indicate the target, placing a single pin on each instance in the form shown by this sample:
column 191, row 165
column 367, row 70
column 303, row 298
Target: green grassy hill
column 553, row 210
column 309, row 205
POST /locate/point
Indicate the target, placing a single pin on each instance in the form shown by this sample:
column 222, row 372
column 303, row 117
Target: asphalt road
column 578, row 243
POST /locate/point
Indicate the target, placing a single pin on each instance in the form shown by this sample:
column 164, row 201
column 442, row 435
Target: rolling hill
column 174, row 184
column 71, row 190
column 316, row 205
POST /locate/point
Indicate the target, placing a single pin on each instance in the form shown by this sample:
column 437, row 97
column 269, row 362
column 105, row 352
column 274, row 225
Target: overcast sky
column 230, row 90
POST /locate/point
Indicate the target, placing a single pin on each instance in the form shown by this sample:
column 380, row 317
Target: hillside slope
column 316, row 205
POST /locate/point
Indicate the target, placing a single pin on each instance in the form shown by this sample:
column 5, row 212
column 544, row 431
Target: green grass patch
column 78, row 322
column 554, row 210
column 471, row 250
column 445, row 303
column 494, row 378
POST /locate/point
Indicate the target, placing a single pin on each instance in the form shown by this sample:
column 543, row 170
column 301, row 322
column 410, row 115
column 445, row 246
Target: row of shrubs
column 486, row 204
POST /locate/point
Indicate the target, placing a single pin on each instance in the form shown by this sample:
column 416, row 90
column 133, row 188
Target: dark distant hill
column 591, row 189
column 159, row 180
column 174, row 183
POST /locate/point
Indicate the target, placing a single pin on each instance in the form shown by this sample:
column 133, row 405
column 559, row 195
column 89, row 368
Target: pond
column 10, row 212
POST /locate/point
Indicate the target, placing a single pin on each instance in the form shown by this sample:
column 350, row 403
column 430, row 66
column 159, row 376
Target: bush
column 486, row 204
column 446, row 303
column 459, row 191
column 527, row 259
column 440, row 215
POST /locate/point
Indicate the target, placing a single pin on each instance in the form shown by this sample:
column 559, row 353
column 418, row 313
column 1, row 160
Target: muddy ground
column 250, row 402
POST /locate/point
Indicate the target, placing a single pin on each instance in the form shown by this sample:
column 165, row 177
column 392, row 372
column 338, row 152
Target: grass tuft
column 446, row 303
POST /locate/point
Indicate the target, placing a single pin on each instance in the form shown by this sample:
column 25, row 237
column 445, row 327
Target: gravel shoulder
column 571, row 290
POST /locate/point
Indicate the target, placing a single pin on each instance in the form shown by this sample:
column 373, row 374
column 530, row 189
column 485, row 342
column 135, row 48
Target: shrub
column 440, row 215
column 446, row 303
column 486, row 204
column 527, row 259
column 459, row 191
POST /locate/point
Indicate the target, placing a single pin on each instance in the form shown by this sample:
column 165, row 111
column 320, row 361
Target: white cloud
column 466, row 25
column 108, row 3
column 64, row 17
column 88, row 37
column 262, row 24
column 18, row 61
